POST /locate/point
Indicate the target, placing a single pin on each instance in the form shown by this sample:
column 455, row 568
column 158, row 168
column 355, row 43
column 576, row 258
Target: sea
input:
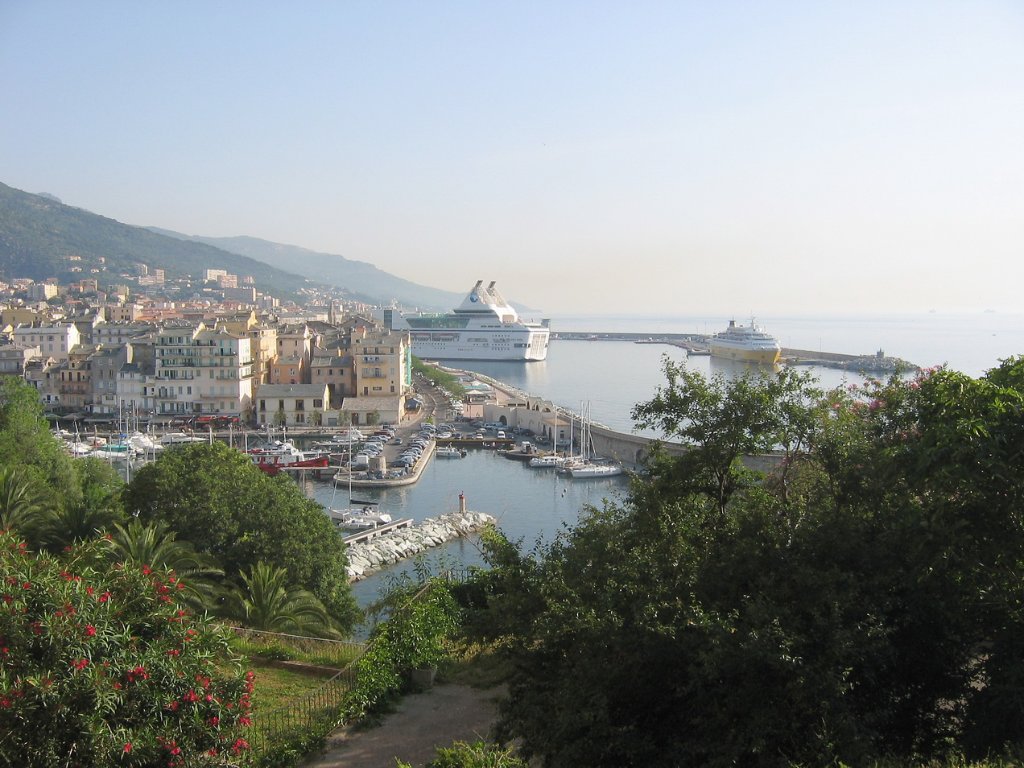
column 610, row 377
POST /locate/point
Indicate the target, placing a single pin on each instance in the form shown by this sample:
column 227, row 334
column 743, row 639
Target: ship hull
column 762, row 356
column 528, row 346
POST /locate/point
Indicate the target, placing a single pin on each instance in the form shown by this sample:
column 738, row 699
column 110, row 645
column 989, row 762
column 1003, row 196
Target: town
column 227, row 354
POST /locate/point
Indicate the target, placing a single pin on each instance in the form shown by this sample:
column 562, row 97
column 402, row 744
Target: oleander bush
column 101, row 665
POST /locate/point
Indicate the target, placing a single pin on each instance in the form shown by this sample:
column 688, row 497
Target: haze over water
column 615, row 376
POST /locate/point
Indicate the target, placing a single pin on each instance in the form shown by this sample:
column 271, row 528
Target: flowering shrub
column 100, row 665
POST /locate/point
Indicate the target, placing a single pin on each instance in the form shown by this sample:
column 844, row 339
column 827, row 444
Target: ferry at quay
column 483, row 327
column 749, row 343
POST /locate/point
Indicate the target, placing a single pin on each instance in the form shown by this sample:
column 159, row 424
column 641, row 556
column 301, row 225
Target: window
column 300, row 405
column 263, row 405
column 318, row 403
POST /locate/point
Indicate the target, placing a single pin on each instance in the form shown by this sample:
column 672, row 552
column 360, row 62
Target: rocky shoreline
column 365, row 557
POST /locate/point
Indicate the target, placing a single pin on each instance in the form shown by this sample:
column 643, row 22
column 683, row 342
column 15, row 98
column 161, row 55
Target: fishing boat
column 282, row 454
column 450, row 452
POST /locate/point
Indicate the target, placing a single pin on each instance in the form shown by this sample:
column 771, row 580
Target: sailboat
column 550, row 460
column 359, row 514
column 586, row 467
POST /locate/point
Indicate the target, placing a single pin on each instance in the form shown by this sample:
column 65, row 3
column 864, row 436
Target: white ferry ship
column 483, row 327
column 746, row 342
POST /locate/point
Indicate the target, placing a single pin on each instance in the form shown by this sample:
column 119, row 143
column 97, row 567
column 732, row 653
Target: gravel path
column 421, row 723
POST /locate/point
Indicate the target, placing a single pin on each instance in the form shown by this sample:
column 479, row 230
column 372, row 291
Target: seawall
column 366, row 557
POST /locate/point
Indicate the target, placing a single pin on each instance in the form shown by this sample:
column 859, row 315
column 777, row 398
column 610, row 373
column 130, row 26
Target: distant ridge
column 359, row 277
column 38, row 234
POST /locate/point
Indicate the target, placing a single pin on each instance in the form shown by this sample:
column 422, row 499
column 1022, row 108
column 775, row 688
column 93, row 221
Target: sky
column 745, row 158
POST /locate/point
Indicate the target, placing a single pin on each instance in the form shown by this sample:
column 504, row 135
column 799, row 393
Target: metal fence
column 320, row 707
column 314, row 650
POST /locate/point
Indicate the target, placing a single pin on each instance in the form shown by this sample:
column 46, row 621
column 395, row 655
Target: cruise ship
column 483, row 327
column 749, row 343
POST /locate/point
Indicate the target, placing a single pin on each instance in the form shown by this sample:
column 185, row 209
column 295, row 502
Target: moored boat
column 358, row 518
column 280, row 455
column 548, row 461
column 595, row 470
column 450, row 452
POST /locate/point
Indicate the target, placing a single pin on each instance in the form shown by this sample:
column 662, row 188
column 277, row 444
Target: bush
column 101, row 665
column 479, row 754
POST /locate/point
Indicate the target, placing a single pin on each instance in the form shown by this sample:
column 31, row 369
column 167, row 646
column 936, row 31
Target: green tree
column 215, row 498
column 265, row 601
column 93, row 511
column 154, row 546
column 868, row 606
column 26, row 441
column 280, row 417
column 101, row 666
column 722, row 420
column 24, row 507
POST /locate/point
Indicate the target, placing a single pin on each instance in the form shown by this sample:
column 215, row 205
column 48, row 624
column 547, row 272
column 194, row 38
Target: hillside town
column 227, row 354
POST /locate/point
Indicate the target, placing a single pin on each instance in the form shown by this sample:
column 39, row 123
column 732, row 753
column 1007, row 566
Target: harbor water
column 613, row 376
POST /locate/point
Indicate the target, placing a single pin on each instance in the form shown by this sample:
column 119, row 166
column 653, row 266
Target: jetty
column 402, row 539
column 699, row 344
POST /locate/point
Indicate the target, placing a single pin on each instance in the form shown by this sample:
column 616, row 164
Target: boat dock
column 380, row 530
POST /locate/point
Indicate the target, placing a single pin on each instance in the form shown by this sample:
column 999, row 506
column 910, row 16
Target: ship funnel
column 478, row 283
column 491, row 286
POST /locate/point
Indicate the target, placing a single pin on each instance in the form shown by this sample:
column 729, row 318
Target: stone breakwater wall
column 365, row 557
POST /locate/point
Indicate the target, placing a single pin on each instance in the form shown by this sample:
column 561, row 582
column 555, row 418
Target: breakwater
column 365, row 557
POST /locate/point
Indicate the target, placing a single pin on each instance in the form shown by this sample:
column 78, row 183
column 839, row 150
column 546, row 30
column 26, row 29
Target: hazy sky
column 676, row 157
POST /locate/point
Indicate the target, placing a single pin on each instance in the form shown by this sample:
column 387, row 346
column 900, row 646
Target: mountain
column 358, row 277
column 38, row 234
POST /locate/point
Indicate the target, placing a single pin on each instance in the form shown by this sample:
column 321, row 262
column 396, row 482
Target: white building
column 202, row 371
column 53, row 339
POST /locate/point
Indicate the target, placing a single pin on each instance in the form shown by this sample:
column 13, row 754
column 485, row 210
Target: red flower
column 80, row 664
column 27, row 585
column 104, row 597
column 128, row 747
column 90, row 630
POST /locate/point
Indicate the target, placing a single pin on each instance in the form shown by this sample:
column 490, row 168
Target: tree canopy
column 215, row 498
column 860, row 601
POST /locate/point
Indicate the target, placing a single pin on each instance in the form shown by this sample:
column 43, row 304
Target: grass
column 476, row 664
column 275, row 687
column 314, row 652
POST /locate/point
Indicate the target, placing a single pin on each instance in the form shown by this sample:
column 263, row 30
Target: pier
column 698, row 344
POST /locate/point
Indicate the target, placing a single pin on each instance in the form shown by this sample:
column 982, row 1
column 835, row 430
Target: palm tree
column 156, row 546
column 267, row 603
column 92, row 512
column 23, row 505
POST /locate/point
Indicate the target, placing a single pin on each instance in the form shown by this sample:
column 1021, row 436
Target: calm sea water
column 614, row 376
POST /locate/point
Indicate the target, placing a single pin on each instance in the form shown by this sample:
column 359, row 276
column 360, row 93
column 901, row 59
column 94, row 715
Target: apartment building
column 53, row 339
column 201, row 371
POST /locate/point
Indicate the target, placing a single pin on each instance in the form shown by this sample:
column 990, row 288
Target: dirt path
column 421, row 723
